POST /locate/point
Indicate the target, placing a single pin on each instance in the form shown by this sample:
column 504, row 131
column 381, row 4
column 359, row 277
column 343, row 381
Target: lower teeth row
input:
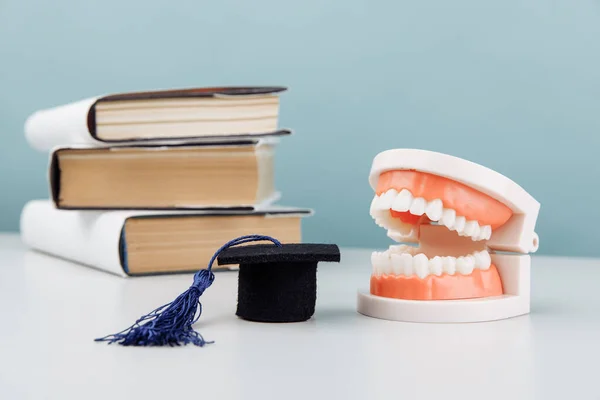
column 409, row 262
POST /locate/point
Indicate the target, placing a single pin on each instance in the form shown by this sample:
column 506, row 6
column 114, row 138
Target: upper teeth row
column 408, row 263
column 405, row 202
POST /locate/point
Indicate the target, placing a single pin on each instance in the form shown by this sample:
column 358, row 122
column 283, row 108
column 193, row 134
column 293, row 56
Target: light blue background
column 514, row 85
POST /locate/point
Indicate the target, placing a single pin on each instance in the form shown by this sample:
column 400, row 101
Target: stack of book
column 155, row 182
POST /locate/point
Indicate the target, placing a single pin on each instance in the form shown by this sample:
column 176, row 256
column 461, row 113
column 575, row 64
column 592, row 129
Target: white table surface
column 52, row 310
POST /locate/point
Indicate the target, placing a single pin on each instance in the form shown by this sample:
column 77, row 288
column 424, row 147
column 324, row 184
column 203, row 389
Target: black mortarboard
column 278, row 283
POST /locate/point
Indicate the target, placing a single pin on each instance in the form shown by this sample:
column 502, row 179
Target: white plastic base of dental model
column 515, row 272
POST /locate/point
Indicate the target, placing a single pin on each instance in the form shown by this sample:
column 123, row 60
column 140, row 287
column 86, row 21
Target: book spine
column 60, row 126
column 90, row 238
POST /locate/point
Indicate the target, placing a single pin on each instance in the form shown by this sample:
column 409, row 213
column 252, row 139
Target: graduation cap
column 277, row 283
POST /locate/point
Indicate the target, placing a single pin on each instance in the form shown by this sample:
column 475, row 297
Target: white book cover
column 93, row 238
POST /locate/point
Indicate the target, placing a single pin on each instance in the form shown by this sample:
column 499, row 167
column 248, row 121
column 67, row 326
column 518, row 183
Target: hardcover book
column 239, row 175
column 166, row 116
column 129, row 243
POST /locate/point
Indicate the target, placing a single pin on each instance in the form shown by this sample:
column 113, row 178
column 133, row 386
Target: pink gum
column 445, row 287
column 466, row 201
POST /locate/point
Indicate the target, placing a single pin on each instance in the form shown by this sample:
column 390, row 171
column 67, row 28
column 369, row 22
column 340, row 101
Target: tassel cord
column 171, row 323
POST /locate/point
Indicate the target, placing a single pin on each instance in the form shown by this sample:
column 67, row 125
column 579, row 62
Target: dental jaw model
column 453, row 217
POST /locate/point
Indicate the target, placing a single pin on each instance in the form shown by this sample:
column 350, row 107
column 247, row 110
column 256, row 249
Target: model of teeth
column 452, row 216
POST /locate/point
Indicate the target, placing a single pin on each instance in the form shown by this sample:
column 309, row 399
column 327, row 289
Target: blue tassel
column 171, row 324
